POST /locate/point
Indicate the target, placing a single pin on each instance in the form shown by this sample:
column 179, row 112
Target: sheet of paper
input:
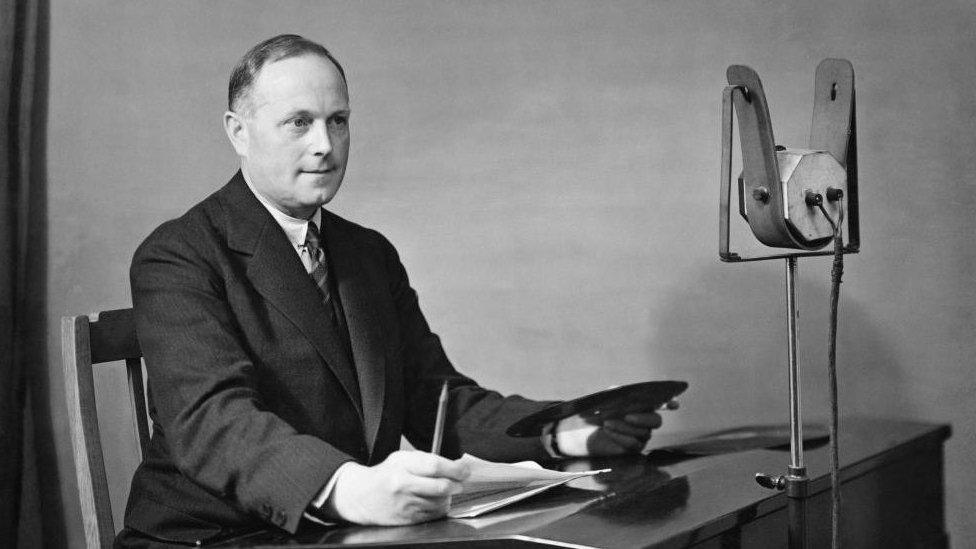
column 494, row 485
column 523, row 520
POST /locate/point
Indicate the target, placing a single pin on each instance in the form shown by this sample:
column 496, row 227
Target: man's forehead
column 303, row 78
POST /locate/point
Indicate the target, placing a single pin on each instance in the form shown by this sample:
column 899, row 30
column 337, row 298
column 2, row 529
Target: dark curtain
column 23, row 99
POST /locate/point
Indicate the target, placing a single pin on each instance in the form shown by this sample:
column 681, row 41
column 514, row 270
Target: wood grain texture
column 85, row 341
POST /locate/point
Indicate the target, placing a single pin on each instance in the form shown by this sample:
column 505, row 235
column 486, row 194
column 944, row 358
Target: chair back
column 86, row 340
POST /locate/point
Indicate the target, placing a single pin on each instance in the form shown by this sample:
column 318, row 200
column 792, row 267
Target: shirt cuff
column 316, row 509
column 549, row 440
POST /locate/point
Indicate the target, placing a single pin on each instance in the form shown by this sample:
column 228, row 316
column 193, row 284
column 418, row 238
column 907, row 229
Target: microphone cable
column 836, row 273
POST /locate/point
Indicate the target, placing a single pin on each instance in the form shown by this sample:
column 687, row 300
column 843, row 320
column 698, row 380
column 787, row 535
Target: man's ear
column 236, row 132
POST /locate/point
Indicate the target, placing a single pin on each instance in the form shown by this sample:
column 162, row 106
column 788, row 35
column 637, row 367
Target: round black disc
column 645, row 396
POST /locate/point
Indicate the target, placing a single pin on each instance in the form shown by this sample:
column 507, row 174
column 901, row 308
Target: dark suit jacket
column 250, row 389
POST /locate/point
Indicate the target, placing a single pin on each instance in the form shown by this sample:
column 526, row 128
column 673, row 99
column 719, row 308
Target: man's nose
column 321, row 141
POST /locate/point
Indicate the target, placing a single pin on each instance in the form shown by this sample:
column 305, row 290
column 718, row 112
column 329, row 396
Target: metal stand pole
column 796, row 427
column 795, row 481
column 796, row 476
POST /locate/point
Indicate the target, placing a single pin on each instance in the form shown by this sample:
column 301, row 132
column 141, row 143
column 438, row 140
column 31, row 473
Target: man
column 286, row 350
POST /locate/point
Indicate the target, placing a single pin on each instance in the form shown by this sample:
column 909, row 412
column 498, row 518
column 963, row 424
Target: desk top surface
column 658, row 500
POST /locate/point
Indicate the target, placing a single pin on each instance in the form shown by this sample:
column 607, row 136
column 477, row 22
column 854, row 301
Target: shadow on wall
column 725, row 332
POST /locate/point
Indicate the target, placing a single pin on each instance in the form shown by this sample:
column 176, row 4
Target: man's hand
column 595, row 436
column 407, row 488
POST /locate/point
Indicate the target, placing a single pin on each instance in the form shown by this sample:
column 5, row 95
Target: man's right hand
column 406, row 488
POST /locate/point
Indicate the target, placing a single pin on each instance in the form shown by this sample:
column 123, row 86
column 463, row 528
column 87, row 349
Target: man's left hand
column 595, row 436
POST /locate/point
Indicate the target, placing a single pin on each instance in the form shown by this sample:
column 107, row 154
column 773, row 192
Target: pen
column 435, row 446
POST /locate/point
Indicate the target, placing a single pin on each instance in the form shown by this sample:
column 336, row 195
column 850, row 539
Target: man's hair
column 274, row 49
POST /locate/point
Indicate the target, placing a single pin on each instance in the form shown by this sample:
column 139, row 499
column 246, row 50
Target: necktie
column 320, row 270
column 320, row 274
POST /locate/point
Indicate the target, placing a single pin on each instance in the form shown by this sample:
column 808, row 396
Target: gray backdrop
column 549, row 173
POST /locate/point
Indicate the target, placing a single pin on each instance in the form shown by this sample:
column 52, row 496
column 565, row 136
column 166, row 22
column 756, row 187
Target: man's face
column 293, row 133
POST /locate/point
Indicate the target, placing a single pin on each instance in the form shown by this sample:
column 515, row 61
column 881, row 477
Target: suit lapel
column 277, row 273
column 364, row 322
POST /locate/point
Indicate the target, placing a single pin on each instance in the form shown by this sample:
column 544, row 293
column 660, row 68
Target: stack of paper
column 495, row 485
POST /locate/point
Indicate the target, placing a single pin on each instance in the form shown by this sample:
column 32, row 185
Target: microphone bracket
column 776, row 181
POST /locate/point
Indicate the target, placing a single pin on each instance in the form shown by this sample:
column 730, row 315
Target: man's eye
column 339, row 120
column 301, row 123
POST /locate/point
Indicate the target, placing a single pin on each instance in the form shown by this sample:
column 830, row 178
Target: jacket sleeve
column 477, row 417
column 204, row 391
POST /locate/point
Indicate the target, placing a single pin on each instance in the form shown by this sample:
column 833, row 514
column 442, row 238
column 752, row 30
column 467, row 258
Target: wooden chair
column 108, row 336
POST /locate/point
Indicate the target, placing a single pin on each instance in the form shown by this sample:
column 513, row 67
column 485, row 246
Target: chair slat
column 137, row 398
column 113, row 336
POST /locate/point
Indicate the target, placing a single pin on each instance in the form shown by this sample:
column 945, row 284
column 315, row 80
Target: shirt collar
column 295, row 229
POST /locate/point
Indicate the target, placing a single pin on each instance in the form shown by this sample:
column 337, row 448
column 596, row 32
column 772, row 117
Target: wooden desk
column 892, row 477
